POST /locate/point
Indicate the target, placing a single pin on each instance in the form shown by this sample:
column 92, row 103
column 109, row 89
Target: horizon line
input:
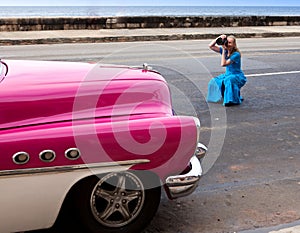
column 161, row 5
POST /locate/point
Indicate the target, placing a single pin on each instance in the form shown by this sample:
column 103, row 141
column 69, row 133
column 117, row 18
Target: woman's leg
column 214, row 93
column 232, row 90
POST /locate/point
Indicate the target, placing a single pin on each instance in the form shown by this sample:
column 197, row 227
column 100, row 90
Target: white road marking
column 270, row 74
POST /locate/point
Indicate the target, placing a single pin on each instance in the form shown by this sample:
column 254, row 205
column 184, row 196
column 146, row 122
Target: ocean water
column 107, row 11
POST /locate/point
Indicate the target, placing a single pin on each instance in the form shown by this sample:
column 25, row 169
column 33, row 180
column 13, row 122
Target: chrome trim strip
column 198, row 125
column 70, row 168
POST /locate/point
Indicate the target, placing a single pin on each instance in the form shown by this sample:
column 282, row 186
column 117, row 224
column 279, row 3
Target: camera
column 222, row 41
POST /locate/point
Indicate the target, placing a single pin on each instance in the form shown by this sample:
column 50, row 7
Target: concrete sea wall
column 96, row 23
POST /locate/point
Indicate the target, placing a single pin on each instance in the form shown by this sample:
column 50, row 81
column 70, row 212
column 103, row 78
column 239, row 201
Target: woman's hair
column 235, row 48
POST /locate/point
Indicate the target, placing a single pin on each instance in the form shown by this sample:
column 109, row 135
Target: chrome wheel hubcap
column 117, row 199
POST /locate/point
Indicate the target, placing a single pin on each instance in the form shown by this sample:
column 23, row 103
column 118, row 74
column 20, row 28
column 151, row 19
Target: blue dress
column 228, row 85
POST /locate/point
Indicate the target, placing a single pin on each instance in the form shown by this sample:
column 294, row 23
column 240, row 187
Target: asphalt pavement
column 146, row 34
column 157, row 34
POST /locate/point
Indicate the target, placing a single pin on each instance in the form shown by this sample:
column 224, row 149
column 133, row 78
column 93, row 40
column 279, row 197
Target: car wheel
column 118, row 202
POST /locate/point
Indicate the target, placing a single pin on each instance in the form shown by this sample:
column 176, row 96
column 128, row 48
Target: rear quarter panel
column 119, row 121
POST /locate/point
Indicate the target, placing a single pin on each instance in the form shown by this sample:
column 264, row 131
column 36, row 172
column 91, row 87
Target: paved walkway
column 123, row 35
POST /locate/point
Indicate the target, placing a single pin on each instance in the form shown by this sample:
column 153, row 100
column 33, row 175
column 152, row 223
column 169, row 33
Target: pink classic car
column 90, row 144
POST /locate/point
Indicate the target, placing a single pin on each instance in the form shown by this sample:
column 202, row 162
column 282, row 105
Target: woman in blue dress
column 228, row 84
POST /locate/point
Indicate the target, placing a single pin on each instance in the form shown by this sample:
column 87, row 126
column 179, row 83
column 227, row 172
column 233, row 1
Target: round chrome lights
column 47, row 156
column 72, row 153
column 21, row 158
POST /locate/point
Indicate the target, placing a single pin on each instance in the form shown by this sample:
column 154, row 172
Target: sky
column 150, row 3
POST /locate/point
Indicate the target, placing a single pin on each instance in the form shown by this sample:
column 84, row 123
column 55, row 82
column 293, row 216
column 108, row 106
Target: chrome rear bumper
column 183, row 185
column 200, row 151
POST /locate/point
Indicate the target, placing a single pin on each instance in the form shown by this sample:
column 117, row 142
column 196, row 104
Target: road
column 252, row 170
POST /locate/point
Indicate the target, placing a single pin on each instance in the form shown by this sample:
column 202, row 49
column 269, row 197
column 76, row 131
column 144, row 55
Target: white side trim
column 30, row 202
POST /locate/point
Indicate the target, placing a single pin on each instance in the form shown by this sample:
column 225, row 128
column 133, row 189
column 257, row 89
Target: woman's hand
column 213, row 46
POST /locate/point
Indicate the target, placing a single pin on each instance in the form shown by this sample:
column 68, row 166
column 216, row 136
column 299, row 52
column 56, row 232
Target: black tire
column 123, row 202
